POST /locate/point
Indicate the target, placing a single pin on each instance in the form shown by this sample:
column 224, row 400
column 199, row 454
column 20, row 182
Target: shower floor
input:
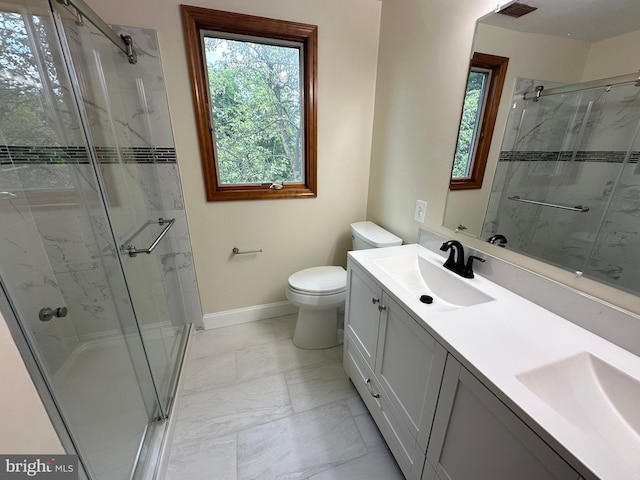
column 100, row 397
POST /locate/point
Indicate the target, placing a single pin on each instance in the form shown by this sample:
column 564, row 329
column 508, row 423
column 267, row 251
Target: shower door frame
column 153, row 441
column 157, row 431
column 159, row 414
column 163, row 407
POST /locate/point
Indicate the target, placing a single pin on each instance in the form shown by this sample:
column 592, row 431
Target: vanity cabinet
column 396, row 366
column 438, row 419
column 475, row 436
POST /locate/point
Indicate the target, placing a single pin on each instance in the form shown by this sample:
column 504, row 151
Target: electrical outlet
column 421, row 210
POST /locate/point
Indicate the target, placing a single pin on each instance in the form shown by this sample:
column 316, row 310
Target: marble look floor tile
column 211, row 371
column 230, row 339
column 378, row 464
column 369, row 431
column 203, row 459
column 272, row 358
column 306, row 421
column 313, row 386
column 357, row 406
column 285, row 326
column 300, row 445
column 334, row 353
column 221, row 411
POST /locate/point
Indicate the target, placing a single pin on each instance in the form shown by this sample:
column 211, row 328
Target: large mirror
column 562, row 181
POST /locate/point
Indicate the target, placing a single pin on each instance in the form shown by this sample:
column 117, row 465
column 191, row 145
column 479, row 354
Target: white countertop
column 500, row 339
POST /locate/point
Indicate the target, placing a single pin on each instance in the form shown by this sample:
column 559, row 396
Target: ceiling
column 589, row 20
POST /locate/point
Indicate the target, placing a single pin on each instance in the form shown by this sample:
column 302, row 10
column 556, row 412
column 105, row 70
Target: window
column 482, row 99
column 36, row 113
column 254, row 90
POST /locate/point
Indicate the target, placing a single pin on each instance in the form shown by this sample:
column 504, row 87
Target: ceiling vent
column 517, row 10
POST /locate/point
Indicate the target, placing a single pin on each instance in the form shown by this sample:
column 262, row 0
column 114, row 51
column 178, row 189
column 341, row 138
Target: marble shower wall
column 129, row 120
column 55, row 250
column 55, row 244
column 574, row 149
column 154, row 176
column 50, row 211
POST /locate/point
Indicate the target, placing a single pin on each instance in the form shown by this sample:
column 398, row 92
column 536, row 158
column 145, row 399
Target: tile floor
column 256, row 407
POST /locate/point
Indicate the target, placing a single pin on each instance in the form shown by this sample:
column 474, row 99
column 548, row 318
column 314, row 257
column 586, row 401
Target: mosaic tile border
column 31, row 154
column 603, row 156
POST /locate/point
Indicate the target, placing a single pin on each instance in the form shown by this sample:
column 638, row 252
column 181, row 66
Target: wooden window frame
column 498, row 66
column 195, row 19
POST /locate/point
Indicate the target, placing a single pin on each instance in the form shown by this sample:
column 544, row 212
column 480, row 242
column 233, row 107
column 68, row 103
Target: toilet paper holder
column 237, row 251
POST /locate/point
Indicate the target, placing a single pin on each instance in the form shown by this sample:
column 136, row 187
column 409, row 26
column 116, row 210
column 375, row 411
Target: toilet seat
column 320, row 292
column 319, row 281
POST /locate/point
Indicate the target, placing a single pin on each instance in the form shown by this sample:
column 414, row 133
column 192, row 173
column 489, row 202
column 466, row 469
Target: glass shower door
column 547, row 168
column 568, row 183
column 60, row 271
column 122, row 105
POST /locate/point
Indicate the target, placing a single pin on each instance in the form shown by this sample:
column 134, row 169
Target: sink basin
column 595, row 397
column 421, row 276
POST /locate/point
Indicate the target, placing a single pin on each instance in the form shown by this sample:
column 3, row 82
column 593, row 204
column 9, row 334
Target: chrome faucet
column 501, row 240
column 455, row 261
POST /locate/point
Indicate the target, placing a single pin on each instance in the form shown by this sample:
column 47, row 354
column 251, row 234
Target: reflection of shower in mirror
column 560, row 154
column 575, row 149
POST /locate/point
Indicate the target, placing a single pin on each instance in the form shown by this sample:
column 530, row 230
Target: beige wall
column 614, row 56
column 25, row 427
column 540, row 57
column 422, row 69
column 294, row 234
column 423, row 62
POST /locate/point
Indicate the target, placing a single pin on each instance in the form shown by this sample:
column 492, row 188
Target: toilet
column 320, row 292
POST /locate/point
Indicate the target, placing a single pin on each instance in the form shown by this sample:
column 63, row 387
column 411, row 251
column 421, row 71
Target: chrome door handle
column 374, row 395
column 47, row 313
column 133, row 251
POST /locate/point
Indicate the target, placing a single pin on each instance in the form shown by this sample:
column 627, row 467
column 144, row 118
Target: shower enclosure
column 95, row 260
column 567, row 187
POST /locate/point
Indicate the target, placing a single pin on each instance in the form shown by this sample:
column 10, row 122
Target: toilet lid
column 319, row 280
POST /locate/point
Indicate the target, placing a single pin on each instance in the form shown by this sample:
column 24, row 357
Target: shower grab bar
column 133, row 251
column 123, row 42
column 577, row 208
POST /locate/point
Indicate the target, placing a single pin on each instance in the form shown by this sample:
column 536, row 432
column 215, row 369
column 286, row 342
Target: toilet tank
column 369, row 235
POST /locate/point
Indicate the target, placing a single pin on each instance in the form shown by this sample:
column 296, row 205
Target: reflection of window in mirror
column 482, row 98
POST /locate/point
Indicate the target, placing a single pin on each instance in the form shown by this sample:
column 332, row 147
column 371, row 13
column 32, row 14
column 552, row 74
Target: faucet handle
column 469, row 266
column 498, row 239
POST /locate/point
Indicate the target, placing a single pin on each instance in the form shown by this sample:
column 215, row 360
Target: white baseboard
column 248, row 314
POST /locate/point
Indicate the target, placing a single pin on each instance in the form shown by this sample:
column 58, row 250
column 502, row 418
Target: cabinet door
column 362, row 317
column 409, row 368
column 410, row 459
column 475, row 436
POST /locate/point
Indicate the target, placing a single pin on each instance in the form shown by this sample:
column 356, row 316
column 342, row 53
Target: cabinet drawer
column 360, row 374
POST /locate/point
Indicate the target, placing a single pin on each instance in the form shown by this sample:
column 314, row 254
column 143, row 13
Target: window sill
column 259, row 193
column 465, row 184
